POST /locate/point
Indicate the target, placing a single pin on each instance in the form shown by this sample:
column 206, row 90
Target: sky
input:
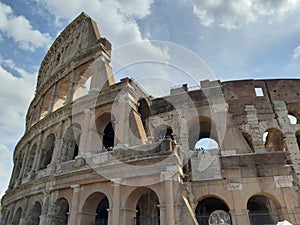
column 237, row 39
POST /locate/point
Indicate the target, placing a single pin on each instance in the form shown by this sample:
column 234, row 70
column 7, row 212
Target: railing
column 103, row 221
column 254, row 219
column 151, row 220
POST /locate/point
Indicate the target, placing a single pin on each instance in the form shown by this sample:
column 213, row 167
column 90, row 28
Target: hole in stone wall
column 259, row 92
column 293, row 119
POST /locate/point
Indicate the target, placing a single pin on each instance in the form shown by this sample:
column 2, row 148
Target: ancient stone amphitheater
column 99, row 152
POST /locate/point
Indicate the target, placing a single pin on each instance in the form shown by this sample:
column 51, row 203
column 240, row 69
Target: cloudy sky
column 237, row 39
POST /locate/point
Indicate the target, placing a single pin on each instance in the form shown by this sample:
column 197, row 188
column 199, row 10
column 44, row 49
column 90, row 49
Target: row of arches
column 273, row 140
column 261, row 210
column 95, row 210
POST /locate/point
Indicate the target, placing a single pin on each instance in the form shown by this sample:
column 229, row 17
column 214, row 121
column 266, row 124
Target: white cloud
column 230, row 14
column 15, row 95
column 20, row 30
column 116, row 19
column 6, row 164
column 296, row 53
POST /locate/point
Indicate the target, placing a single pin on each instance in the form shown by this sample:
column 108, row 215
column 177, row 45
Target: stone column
column 85, row 132
column 57, row 146
column 36, row 160
column 74, row 204
column 52, row 100
column 71, row 88
column 45, row 208
column 170, row 215
column 162, row 214
column 116, row 202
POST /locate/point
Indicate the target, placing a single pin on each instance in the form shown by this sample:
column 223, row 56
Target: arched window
column 109, row 136
column 144, row 111
column 34, row 216
column 95, row 209
column 61, row 212
column 30, row 159
column 47, row 151
column 71, row 143
column 262, row 210
column 17, row 217
column 209, row 207
column 202, row 134
column 274, row 140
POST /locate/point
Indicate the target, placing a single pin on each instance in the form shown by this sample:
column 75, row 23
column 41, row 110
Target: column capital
column 116, row 181
column 76, row 187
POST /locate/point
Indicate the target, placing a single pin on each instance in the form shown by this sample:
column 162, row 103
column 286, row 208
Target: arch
column 163, row 131
column 95, row 209
column 293, row 119
column 47, row 151
column 145, row 111
column 61, row 211
column 248, row 139
column 7, row 215
column 61, row 94
column 274, row 140
column 30, row 159
column 82, row 84
column 35, row 213
column 298, row 138
column 206, row 144
column 262, row 210
column 200, row 128
column 209, row 205
column 145, row 201
column 17, row 217
column 105, row 126
column 71, row 141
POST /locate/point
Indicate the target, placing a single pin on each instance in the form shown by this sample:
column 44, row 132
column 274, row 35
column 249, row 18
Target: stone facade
column 108, row 153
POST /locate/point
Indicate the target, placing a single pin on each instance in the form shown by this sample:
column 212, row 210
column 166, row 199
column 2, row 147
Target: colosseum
column 98, row 152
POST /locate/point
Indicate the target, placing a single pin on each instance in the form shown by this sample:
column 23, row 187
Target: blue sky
column 244, row 39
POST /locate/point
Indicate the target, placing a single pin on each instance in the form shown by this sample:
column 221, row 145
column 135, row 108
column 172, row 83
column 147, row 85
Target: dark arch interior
column 298, row 138
column 109, row 136
column 206, row 207
column 147, row 209
column 61, row 212
column 102, row 213
column 262, row 210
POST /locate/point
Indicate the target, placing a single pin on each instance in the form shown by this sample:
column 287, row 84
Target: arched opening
column 293, row 119
column 102, row 213
column 71, row 143
column 147, row 209
column 30, row 159
column 47, row 151
column 61, row 211
column 7, row 218
column 248, row 139
column 206, row 144
column 262, row 210
column 202, row 129
column 61, row 94
column 298, row 138
column 109, row 136
column 17, row 217
column 163, row 132
column 82, row 86
column 143, row 204
column 274, row 140
column 145, row 112
column 208, row 208
column 95, row 210
column 35, row 214
column 105, row 126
